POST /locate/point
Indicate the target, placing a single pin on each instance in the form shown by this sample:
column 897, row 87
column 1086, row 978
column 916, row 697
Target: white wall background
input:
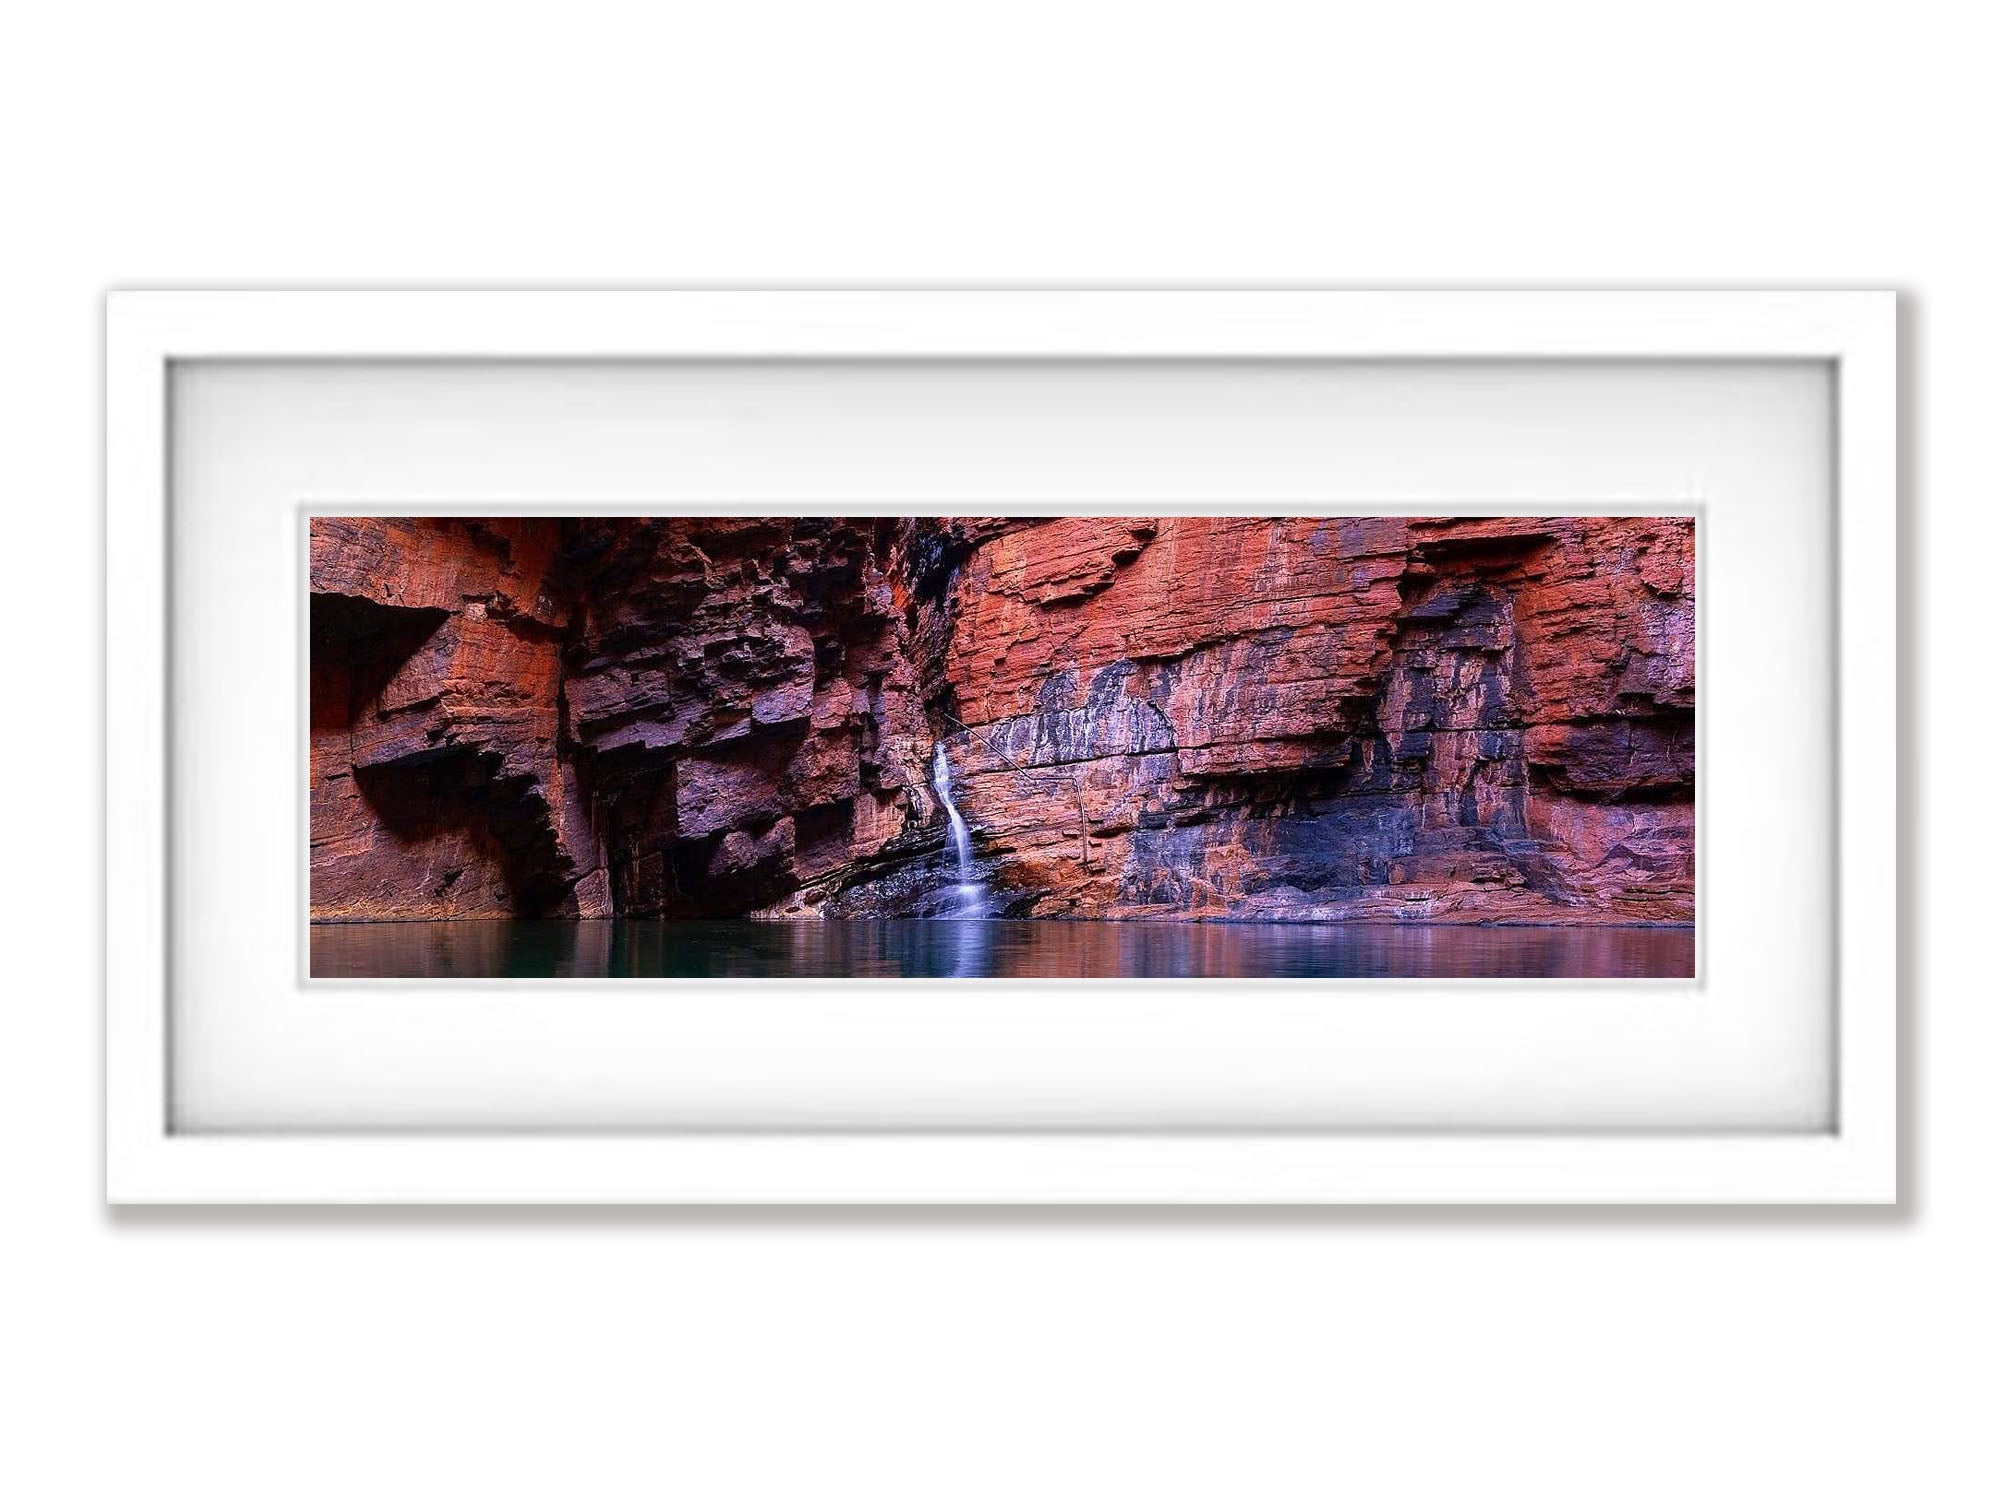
column 948, row 1355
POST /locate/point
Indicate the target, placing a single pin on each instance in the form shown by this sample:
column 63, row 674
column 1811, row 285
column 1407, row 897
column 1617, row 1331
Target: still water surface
column 974, row 949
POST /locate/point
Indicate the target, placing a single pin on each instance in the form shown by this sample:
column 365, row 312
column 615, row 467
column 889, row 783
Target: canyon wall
column 1216, row 717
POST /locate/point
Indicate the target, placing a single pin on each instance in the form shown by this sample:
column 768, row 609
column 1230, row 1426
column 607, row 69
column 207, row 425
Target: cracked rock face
column 1170, row 717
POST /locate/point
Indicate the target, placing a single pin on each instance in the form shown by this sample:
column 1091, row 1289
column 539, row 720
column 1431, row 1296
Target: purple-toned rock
column 1384, row 718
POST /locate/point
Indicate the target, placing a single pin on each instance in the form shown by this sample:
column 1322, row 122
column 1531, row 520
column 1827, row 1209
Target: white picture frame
column 1852, row 1160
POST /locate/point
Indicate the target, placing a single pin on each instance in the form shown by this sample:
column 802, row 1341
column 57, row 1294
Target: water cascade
column 970, row 895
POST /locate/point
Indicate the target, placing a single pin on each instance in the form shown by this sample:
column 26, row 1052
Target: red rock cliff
column 1447, row 720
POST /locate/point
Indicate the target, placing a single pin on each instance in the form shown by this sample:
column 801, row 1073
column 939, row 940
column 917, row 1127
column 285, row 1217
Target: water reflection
column 991, row 949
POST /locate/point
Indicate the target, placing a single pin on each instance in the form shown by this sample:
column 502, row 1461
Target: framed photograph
column 1001, row 747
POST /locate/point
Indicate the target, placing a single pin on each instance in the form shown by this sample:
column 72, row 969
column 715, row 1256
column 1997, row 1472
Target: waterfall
column 971, row 895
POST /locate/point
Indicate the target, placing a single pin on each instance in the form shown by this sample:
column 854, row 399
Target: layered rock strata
column 1175, row 717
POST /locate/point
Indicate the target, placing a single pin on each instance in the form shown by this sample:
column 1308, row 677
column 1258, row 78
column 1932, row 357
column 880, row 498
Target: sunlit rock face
column 1444, row 720
column 1219, row 717
column 436, row 786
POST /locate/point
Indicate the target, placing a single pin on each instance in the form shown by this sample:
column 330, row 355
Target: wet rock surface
column 1222, row 718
